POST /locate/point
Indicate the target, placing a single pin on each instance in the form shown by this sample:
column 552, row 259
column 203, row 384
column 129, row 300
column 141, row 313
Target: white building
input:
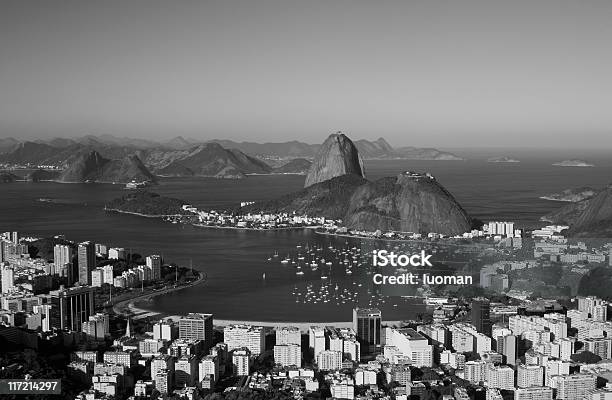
column 328, row 360
column 251, row 337
column 411, row 344
column 241, row 361
column 288, row 355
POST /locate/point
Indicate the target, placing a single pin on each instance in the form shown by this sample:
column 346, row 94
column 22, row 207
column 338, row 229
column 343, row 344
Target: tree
column 586, row 357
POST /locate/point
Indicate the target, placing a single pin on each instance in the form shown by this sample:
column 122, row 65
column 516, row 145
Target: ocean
column 235, row 261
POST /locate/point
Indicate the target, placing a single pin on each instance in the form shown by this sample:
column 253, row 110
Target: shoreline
column 144, row 215
column 128, row 307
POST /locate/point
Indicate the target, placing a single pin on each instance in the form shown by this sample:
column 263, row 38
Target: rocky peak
column 337, row 156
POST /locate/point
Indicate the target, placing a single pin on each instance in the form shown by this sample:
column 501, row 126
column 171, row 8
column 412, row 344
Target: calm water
column 235, row 260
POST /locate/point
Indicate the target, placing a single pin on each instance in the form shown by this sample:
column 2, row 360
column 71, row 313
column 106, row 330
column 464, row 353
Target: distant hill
column 92, row 167
column 147, row 203
column 157, row 155
column 211, row 160
column 417, row 153
column 573, row 163
column 591, row 217
column 291, row 149
column 572, row 195
column 295, row 166
column 503, row 159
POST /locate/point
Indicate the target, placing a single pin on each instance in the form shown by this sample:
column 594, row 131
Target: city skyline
column 422, row 74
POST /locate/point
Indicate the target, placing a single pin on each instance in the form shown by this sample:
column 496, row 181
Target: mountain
column 337, row 156
column 409, row 202
column 290, row 149
column 328, row 198
column 179, row 143
column 572, row 195
column 295, row 166
column 29, row 153
column 377, row 149
column 95, row 168
column 336, row 189
column 591, row 217
column 417, row 153
column 210, row 160
column 595, row 220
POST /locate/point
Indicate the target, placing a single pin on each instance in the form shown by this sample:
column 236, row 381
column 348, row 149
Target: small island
column 573, row 163
column 572, row 195
column 147, row 204
column 503, row 159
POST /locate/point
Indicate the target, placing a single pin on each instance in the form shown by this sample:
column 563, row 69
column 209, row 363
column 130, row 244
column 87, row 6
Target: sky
column 522, row 73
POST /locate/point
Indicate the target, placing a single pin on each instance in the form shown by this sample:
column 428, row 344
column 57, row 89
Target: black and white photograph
column 306, row 199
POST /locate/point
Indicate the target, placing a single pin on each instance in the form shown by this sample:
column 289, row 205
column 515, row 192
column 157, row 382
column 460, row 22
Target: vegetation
column 147, row 203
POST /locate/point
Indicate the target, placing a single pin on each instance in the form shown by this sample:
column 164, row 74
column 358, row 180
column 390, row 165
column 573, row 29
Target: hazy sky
column 428, row 73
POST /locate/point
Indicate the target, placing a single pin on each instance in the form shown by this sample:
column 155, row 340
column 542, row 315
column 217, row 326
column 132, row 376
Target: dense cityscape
column 61, row 318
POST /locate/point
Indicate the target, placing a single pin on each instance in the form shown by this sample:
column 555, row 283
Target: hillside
column 295, row 166
column 591, row 217
column 210, row 160
column 147, row 203
column 409, row 202
column 328, row 199
column 92, row 167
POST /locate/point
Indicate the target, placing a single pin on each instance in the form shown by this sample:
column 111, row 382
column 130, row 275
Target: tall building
column 163, row 362
column 316, row 340
column 186, row 371
column 239, row 336
column 599, row 346
column 86, row 256
column 288, row 335
column 500, row 377
column 8, row 278
column 481, row 315
column 241, row 361
column 62, row 256
column 163, row 381
column 571, row 387
column 71, row 307
column 411, row 344
column 197, row 326
column 166, row 330
column 96, row 327
column 367, row 325
column 154, row 262
column 209, row 365
column 507, row 346
column 288, row 355
column 329, row 360
column 530, row 375
column 596, row 308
